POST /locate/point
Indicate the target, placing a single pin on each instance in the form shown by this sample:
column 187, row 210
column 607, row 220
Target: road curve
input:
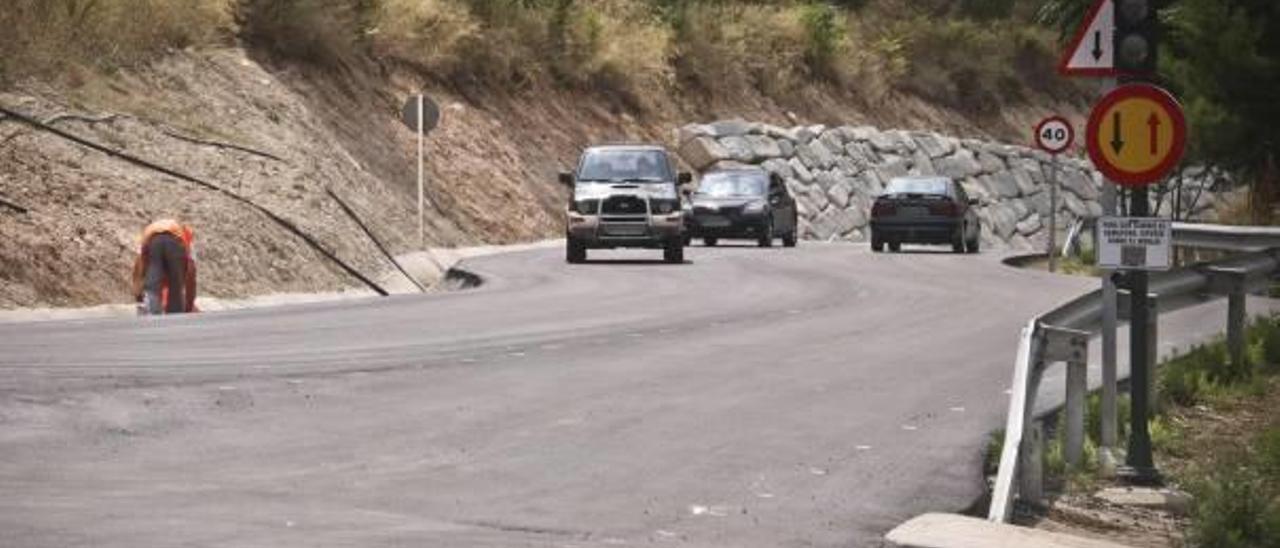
column 752, row 397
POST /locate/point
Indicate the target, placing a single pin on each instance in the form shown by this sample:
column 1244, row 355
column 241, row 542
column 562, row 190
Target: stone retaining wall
column 836, row 173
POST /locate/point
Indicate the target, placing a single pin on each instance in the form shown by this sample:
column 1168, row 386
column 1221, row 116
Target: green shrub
column 1233, row 510
column 1182, row 383
column 1268, row 454
column 824, row 35
column 1264, row 335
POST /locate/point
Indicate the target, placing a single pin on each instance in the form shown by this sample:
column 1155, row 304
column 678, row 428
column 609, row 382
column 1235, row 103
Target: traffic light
column 1137, row 36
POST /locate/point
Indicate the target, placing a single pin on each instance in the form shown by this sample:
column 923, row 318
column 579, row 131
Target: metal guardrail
column 1062, row 335
column 1226, row 238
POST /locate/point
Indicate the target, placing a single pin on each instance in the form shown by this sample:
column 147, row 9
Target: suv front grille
column 624, row 205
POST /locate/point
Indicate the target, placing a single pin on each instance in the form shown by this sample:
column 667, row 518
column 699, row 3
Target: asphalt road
column 770, row 398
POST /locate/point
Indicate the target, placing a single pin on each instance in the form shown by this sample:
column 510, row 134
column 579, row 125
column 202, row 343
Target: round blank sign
column 430, row 113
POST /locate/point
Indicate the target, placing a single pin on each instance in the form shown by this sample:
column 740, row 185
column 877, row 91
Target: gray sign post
column 421, row 114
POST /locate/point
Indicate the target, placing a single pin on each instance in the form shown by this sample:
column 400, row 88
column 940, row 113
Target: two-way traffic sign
column 1137, row 134
column 1092, row 51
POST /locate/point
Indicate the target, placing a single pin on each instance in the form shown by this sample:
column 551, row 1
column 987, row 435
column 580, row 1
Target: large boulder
column 934, row 145
column 958, row 166
column 1025, row 181
column 1029, row 226
column 1002, row 184
column 990, row 163
column 816, row 155
column 839, row 193
column 922, row 165
column 778, row 166
column 702, row 152
column 802, row 172
column 1079, row 183
column 731, row 128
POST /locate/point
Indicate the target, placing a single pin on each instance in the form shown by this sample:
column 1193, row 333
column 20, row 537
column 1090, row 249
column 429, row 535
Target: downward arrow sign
column 1154, row 124
column 1097, row 45
column 1117, row 139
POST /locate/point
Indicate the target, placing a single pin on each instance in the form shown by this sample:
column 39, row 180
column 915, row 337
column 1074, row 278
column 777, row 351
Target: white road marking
column 910, row 427
column 863, row 448
column 957, row 409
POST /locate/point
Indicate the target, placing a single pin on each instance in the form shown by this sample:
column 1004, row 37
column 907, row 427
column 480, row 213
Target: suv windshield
column 727, row 183
column 648, row 166
column 917, row 186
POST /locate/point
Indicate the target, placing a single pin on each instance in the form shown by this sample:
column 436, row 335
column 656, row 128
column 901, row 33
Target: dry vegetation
column 969, row 56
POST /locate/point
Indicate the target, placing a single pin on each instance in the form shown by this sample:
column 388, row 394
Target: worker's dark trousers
column 167, row 262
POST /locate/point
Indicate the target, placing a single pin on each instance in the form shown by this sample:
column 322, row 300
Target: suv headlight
column 664, row 206
column 754, row 207
column 586, row 207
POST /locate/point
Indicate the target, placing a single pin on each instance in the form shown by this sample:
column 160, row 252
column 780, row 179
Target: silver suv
column 625, row 196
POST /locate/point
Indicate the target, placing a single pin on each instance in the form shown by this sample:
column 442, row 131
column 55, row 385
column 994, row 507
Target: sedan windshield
column 625, row 165
column 726, row 184
column 917, row 186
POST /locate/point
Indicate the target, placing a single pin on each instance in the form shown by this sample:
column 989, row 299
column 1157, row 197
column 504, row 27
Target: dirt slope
column 492, row 165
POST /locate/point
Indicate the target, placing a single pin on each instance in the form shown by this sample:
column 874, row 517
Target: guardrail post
column 1231, row 282
column 1031, row 467
column 1071, row 346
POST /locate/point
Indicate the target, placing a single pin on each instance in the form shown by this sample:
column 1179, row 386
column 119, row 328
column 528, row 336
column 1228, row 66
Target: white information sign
column 1135, row 243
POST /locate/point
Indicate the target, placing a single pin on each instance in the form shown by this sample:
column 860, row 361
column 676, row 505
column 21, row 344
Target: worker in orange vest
column 164, row 274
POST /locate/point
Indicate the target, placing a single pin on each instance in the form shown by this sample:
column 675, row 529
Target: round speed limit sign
column 1054, row 135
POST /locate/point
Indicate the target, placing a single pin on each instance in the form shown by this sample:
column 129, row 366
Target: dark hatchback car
column 925, row 210
column 748, row 203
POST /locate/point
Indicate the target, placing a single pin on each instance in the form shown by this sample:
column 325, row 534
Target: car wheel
column 789, row 240
column 575, row 251
column 674, row 252
column 895, row 246
column 688, row 240
column 877, row 244
column 766, row 239
column 709, row 242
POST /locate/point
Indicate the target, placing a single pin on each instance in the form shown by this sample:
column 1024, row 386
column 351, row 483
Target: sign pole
column 1053, row 214
column 422, row 227
column 1110, row 420
column 1140, row 465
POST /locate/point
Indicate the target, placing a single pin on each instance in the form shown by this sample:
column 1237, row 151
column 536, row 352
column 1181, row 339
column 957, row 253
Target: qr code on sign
column 1133, row 256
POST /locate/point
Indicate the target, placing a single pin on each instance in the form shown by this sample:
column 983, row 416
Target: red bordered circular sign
column 1137, row 134
column 1055, row 135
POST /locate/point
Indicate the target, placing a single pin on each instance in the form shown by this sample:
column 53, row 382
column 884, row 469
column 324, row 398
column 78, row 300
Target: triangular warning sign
column 1092, row 51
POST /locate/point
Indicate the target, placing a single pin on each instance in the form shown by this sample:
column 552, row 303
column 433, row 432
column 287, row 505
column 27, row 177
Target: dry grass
column 638, row 50
column 47, row 38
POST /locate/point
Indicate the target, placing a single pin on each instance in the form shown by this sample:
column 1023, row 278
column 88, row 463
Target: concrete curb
column 955, row 531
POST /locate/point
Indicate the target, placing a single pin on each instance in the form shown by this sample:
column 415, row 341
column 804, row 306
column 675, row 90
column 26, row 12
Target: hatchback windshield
column 625, row 165
column 917, row 186
column 729, row 183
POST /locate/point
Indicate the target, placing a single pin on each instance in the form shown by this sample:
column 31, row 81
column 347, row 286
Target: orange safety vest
column 184, row 234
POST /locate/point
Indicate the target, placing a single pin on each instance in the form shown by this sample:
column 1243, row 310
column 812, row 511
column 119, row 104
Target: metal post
column 1153, row 351
column 1053, row 214
column 1139, row 465
column 1077, row 388
column 1031, row 477
column 1235, row 326
column 1109, row 294
column 422, row 226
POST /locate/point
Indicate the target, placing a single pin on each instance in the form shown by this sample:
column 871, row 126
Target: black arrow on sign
column 1154, row 123
column 1097, row 45
column 1117, row 140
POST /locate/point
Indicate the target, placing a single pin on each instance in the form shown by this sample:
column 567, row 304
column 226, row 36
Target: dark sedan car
column 748, row 203
column 925, row 210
